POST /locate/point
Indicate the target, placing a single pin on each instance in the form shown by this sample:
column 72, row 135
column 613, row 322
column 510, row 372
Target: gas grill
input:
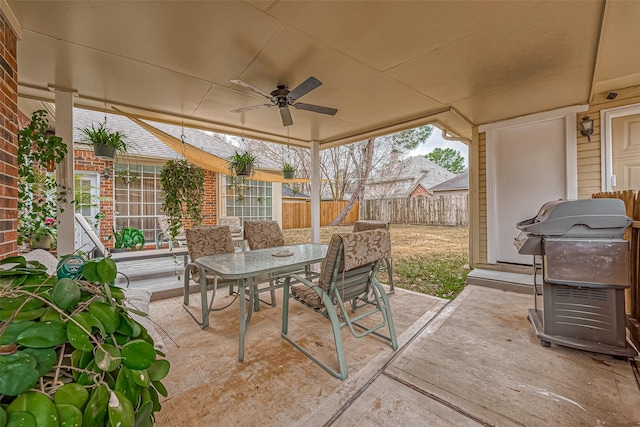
column 584, row 273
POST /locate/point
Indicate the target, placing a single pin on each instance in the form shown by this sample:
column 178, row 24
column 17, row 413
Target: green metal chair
column 347, row 273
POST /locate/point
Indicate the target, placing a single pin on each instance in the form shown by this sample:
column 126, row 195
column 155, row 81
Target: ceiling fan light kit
column 284, row 98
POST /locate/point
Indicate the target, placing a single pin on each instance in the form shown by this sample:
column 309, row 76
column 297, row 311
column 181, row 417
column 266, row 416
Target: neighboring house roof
column 288, row 192
column 400, row 178
column 142, row 143
column 458, row 182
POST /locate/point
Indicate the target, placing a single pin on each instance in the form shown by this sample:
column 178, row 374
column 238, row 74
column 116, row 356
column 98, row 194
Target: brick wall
column 210, row 206
column 8, row 141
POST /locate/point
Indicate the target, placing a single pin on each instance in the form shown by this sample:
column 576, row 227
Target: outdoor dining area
column 307, row 334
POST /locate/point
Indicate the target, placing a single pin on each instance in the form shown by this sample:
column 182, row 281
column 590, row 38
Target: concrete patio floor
column 471, row 361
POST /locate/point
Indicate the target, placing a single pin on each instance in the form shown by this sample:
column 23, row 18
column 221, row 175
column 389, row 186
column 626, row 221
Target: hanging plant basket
column 244, row 170
column 288, row 174
column 104, row 151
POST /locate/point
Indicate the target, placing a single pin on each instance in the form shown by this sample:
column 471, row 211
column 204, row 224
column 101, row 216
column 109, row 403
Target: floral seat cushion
column 205, row 241
column 358, row 249
column 263, row 234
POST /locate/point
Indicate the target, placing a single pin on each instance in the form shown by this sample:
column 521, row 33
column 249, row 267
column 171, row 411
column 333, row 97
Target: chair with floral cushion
column 388, row 262
column 347, row 273
column 263, row 235
column 206, row 241
column 236, row 229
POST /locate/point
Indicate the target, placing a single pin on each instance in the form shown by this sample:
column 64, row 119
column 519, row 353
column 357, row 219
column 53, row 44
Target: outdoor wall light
column 586, row 127
column 106, row 173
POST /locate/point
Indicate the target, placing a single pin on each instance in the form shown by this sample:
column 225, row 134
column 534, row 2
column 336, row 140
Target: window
column 249, row 200
column 138, row 198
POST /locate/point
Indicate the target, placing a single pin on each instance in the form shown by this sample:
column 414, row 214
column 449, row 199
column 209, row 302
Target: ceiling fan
column 282, row 98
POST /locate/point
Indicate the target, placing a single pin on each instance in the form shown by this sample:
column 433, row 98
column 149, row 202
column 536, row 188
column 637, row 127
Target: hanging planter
column 103, row 151
column 288, row 171
column 105, row 143
column 241, row 164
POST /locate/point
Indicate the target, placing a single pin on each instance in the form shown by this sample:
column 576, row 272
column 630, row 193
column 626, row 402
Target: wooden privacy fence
column 632, row 295
column 298, row 214
column 449, row 209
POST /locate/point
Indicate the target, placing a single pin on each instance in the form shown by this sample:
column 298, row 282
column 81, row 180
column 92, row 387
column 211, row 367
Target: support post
column 64, row 173
column 315, row 192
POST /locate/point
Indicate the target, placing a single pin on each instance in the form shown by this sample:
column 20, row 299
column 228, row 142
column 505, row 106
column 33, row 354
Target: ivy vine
column 183, row 186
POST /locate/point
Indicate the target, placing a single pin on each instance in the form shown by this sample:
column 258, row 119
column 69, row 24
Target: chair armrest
column 298, row 279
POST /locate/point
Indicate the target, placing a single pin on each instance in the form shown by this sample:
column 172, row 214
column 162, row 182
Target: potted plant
column 105, row 143
column 129, row 238
column 183, row 185
column 72, row 354
column 241, row 164
column 37, row 188
column 45, row 236
column 288, row 171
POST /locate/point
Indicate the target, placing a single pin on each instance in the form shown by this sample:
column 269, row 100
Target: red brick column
column 8, row 141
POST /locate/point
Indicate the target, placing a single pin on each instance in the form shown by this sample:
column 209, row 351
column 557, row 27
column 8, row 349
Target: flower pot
column 103, row 151
column 288, row 174
column 246, row 171
column 45, row 242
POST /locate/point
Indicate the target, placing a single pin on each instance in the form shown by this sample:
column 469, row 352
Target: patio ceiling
column 385, row 65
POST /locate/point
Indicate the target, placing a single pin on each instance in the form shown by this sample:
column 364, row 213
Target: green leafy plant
column 102, row 136
column 71, row 352
column 183, row 185
column 241, row 164
column 37, row 189
column 129, row 238
column 288, row 171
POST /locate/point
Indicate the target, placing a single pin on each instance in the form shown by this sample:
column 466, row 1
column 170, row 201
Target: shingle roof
column 142, row 143
column 458, row 182
column 288, row 192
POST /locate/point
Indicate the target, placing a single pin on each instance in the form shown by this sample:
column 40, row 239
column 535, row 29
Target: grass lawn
column 428, row 259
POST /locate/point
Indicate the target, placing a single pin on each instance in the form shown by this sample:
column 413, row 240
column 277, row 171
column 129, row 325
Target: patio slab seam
column 342, row 398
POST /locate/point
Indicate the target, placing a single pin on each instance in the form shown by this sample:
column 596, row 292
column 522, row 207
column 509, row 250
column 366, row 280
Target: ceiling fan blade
column 286, row 116
column 255, row 107
column 316, row 108
column 304, row 88
column 255, row 89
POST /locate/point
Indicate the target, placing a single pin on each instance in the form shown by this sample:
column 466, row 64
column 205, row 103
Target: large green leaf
column 18, row 373
column 71, row 394
column 108, row 358
column 21, row 316
column 15, row 302
column 138, row 354
column 46, row 358
column 43, row 335
column 159, row 369
column 65, row 293
column 90, row 271
column 10, row 335
column 107, row 270
column 37, row 404
column 106, row 314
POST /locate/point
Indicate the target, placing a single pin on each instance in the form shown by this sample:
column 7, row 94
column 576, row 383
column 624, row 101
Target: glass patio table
column 247, row 266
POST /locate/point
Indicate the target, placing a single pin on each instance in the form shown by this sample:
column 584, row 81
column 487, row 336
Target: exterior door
column 529, row 170
column 87, row 197
column 625, row 151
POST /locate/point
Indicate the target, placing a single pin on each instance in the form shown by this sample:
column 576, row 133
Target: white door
column 529, row 169
column 625, row 147
column 87, row 197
